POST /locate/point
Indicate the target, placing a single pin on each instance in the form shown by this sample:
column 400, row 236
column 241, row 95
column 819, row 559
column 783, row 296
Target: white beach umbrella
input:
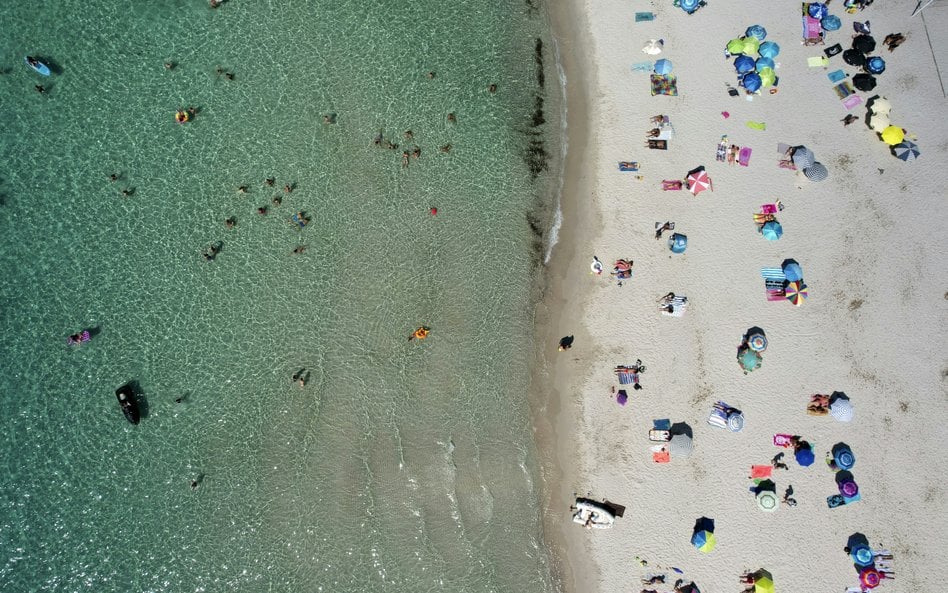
column 879, row 122
column 881, row 106
column 680, row 445
column 653, row 47
column 841, row 410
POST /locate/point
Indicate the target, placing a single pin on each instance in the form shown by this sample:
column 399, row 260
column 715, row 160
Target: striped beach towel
column 772, row 274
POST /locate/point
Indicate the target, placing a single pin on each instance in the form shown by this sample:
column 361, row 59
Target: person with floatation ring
column 181, row 116
column 421, row 333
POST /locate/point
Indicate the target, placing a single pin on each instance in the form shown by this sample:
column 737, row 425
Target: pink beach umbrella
column 698, row 181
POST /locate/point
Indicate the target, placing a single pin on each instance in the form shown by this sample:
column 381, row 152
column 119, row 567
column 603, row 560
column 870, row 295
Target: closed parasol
column 767, row 501
column 772, row 230
column 893, row 135
column 879, row 122
column 744, row 64
column 802, row 157
column 769, row 49
column 907, row 150
column 864, row 44
column 757, row 32
column 796, row 293
column 680, row 445
column 663, row 66
column 817, row 172
column 864, row 82
column 698, row 181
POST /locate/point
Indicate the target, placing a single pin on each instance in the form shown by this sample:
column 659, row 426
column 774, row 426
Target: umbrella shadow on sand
column 681, row 428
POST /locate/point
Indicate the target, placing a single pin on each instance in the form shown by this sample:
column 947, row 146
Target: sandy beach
column 870, row 241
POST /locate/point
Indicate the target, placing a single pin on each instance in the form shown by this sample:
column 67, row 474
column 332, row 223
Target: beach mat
column 664, row 84
column 852, row 101
column 836, row 75
column 628, row 166
column 643, row 66
column 641, row 17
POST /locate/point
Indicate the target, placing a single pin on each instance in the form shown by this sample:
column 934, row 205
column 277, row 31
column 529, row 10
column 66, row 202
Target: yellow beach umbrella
column 892, row 135
column 767, row 76
column 735, row 46
column 751, row 45
column 763, row 582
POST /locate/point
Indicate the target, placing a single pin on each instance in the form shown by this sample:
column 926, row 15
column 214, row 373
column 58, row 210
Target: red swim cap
column 434, row 211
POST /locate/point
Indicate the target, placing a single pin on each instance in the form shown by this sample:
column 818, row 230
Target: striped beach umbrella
column 870, row 578
column 816, row 172
column 907, row 150
column 757, row 32
column 698, row 181
column 893, row 135
column 796, row 292
column 802, row 157
column 757, row 342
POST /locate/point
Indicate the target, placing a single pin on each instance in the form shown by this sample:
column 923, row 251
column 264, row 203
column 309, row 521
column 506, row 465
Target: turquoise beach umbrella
column 769, row 49
column 756, row 31
column 763, row 62
column 772, row 230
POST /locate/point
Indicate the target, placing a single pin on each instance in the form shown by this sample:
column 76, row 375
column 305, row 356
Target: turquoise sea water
column 400, row 466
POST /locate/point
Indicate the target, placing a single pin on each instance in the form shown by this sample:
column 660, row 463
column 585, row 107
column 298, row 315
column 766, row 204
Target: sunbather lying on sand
column 653, row 133
column 657, row 119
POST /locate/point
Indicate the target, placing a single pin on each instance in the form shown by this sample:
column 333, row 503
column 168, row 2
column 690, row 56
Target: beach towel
column 660, row 436
column 671, row 185
column 662, row 424
column 641, row 17
column 628, row 166
column 643, row 67
column 812, row 31
column 678, row 305
column 835, row 500
column 658, row 144
column 782, row 440
column 817, row 61
column 776, row 294
column 744, row 157
column 761, row 471
column 852, row 101
column 722, row 150
column 664, row 84
column 833, row 50
column 756, row 125
column 836, row 75
column 844, row 89
column 661, row 457
column 770, row 208
column 773, row 273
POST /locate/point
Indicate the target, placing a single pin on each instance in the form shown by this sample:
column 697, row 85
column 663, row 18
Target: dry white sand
column 872, row 245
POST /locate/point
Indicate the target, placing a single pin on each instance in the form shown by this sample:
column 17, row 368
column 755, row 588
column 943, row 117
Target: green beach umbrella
column 735, row 46
column 749, row 360
column 704, row 540
column 751, row 45
column 767, row 76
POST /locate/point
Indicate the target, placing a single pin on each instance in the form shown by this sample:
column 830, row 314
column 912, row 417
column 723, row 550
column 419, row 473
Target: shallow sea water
column 401, row 466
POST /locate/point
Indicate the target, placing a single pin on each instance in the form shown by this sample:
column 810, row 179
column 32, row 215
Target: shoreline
column 551, row 380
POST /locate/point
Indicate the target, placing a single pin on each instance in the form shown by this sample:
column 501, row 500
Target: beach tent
column 772, row 230
column 817, row 172
column 906, row 150
column 769, row 49
column 893, row 135
column 757, row 32
column 744, row 64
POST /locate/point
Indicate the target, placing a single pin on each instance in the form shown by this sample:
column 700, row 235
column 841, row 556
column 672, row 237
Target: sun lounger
column 744, row 156
column 628, row 166
column 642, row 17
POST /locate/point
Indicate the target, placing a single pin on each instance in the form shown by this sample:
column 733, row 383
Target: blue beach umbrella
column 744, row 64
column 663, row 66
column 907, row 151
column 771, row 230
column 861, row 555
column 678, row 243
column 831, row 22
column 689, row 6
column 762, row 63
column 751, row 82
column 843, row 457
column 793, row 272
column 769, row 49
column 756, row 31
column 875, row 65
column 817, row 10
column 805, row 457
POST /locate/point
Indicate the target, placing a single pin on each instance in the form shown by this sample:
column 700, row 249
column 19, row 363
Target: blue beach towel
column 836, row 76
column 642, row 67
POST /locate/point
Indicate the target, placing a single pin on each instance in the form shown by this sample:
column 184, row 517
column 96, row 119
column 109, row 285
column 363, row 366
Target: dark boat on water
column 127, row 399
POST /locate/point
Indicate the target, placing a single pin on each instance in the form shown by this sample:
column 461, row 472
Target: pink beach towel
column 768, row 208
column 782, row 440
column 851, row 101
column 761, row 471
column 744, row 157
